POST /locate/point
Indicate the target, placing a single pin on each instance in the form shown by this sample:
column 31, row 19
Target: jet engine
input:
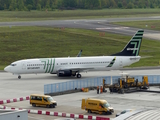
column 64, row 73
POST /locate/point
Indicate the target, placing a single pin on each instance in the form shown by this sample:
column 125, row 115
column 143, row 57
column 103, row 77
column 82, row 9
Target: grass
column 38, row 42
column 153, row 24
column 74, row 14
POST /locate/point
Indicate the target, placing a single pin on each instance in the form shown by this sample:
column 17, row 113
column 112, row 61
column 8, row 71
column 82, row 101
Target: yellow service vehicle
column 96, row 105
column 42, row 100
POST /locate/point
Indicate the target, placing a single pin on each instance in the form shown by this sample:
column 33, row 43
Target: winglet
column 79, row 54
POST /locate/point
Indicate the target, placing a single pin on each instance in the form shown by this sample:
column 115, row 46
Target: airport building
column 13, row 114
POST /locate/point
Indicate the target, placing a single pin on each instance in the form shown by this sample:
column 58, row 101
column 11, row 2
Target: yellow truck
column 96, row 105
column 42, row 100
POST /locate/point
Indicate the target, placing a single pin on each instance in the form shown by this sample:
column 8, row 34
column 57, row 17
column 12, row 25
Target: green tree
column 39, row 6
column 47, row 6
column 120, row 5
column 20, row 5
column 112, row 4
column 13, row 5
column 60, row 4
column 130, row 6
column 69, row 3
column 92, row 4
column 103, row 3
column 152, row 5
column 29, row 7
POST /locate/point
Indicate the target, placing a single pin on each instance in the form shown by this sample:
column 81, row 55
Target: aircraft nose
column 6, row 69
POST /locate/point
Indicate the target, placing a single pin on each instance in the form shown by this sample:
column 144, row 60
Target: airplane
column 73, row 66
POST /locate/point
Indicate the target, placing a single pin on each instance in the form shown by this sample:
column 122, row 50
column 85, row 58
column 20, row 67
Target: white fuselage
column 52, row 65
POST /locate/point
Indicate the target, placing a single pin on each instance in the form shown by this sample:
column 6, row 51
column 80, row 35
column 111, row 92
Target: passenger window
column 39, row 98
column 33, row 98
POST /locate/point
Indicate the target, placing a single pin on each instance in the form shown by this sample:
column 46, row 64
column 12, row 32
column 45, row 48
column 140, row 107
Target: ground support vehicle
column 127, row 84
column 42, row 100
column 96, row 105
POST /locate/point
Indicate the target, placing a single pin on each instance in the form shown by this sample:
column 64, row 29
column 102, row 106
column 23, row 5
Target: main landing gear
column 19, row 77
column 79, row 75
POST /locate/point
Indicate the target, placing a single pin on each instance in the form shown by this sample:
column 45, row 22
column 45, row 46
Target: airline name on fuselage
column 132, row 48
column 33, row 68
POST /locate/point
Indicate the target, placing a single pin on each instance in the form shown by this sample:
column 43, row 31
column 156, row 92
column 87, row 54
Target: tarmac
column 12, row 87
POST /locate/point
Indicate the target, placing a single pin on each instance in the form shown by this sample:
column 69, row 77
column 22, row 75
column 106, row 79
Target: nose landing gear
column 19, row 77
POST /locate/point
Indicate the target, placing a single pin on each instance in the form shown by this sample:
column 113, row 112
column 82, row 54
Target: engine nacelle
column 64, row 73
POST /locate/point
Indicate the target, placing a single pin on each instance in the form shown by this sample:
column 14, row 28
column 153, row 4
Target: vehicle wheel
column 47, row 106
column 110, row 90
column 78, row 75
column 19, row 77
column 52, row 106
column 89, row 111
column 108, row 113
column 34, row 105
column 122, row 91
column 100, row 113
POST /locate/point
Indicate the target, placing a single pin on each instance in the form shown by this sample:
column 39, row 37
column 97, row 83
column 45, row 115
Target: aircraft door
column 120, row 62
column 23, row 65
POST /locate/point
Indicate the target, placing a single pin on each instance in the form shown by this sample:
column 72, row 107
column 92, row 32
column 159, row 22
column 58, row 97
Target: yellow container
column 85, row 90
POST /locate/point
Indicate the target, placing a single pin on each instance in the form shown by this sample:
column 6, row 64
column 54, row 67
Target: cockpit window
column 13, row 64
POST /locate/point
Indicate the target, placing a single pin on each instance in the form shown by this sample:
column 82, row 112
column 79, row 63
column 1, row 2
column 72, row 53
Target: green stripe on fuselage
column 47, row 67
column 53, row 66
column 50, row 66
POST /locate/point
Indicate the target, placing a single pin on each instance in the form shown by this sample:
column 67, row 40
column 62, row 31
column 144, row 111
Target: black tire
column 89, row 111
column 19, row 77
column 122, row 91
column 78, row 75
column 34, row 105
column 110, row 90
column 52, row 106
column 47, row 106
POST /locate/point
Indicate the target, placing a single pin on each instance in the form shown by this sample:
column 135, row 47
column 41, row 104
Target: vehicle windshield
column 106, row 105
column 123, row 112
column 49, row 99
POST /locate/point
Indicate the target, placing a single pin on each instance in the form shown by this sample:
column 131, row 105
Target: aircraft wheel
column 78, row 75
column 19, row 77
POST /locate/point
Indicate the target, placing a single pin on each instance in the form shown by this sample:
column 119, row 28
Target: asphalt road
column 94, row 24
